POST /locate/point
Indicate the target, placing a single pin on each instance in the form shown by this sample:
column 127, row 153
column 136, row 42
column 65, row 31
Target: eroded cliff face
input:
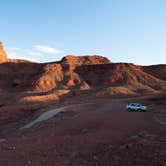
column 84, row 60
column 74, row 73
column 3, row 55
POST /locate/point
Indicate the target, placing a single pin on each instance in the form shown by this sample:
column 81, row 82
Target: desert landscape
column 72, row 112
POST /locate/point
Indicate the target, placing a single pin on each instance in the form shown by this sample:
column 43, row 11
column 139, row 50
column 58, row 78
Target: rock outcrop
column 84, row 60
column 77, row 73
column 3, row 55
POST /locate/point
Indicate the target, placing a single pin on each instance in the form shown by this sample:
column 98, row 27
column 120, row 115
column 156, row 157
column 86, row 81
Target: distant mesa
column 76, row 73
column 84, row 60
column 3, row 55
column 69, row 59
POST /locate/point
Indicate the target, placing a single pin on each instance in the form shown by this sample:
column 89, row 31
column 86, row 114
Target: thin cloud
column 15, row 49
column 38, row 53
column 23, row 54
column 47, row 49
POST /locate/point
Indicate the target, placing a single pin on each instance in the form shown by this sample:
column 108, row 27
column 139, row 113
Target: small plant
column 143, row 135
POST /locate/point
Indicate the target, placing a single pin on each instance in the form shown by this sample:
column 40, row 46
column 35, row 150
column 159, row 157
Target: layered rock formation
column 76, row 73
column 84, row 60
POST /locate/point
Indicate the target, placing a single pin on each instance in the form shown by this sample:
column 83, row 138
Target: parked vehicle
column 135, row 107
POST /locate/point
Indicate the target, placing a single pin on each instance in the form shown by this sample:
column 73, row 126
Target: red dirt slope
column 158, row 71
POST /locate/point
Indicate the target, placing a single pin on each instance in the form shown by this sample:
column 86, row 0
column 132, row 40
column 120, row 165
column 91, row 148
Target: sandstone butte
column 81, row 73
column 3, row 55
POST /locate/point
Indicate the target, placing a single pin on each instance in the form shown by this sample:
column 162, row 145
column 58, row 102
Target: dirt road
column 99, row 133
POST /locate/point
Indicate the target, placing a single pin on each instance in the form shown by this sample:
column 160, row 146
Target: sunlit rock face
column 3, row 55
column 84, row 60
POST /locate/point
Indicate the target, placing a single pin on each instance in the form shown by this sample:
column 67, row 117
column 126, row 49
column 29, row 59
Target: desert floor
column 98, row 132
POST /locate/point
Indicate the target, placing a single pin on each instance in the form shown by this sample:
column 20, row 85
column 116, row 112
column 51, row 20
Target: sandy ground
column 98, row 133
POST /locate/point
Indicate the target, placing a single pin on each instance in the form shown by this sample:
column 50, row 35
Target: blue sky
column 122, row 30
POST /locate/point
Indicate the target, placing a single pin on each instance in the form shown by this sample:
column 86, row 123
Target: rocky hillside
column 158, row 71
column 81, row 73
column 27, row 86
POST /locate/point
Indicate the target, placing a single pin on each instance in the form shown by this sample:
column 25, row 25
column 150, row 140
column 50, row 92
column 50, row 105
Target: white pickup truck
column 135, row 107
